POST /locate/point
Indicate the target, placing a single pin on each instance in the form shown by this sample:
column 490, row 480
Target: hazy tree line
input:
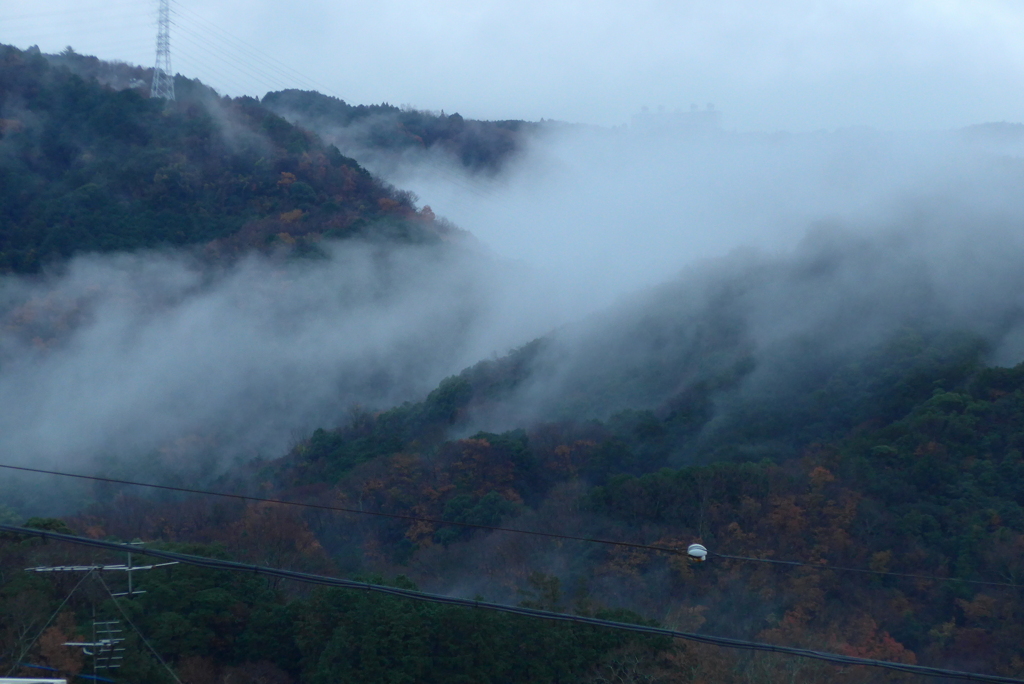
column 384, row 128
column 85, row 167
column 925, row 479
column 905, row 458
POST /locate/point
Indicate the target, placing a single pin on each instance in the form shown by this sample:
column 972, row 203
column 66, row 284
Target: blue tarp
column 80, row 676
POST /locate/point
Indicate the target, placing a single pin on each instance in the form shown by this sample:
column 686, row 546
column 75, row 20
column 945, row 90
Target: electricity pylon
column 163, row 77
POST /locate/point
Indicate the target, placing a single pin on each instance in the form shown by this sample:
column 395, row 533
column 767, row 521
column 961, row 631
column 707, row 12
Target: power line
column 24, row 652
column 210, row 76
column 308, row 578
column 338, row 509
column 495, row 528
column 224, row 58
column 866, row 571
column 113, row 598
column 252, row 53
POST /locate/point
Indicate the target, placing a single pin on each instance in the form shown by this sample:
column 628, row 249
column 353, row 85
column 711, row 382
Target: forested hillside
column 920, row 473
column 86, row 167
column 387, row 129
column 921, row 486
column 226, row 627
column 841, row 424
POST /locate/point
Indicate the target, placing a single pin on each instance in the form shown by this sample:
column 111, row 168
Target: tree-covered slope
column 217, row 626
column 384, row 128
column 927, row 482
column 853, row 408
column 866, row 428
column 85, row 167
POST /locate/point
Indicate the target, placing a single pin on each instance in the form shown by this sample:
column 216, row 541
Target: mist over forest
column 651, row 257
column 127, row 356
column 792, row 346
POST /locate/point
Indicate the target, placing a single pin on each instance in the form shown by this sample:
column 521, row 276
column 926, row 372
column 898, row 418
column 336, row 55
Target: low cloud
column 155, row 357
column 658, row 257
column 687, row 251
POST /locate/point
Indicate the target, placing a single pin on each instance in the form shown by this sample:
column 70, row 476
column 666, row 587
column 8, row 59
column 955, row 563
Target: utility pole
column 163, row 77
column 128, row 568
column 106, row 647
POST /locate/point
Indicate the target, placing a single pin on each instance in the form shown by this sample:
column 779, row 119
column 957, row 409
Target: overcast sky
column 789, row 64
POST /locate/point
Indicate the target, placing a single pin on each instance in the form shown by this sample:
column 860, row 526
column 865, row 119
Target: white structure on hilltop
column 663, row 122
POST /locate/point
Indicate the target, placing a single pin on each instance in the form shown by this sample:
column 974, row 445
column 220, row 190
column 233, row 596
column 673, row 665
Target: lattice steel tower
column 163, row 77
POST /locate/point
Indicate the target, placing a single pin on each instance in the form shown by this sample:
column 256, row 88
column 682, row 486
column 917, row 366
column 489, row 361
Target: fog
column 629, row 245
column 614, row 210
column 768, row 333
column 159, row 359
column 686, row 251
column 794, row 64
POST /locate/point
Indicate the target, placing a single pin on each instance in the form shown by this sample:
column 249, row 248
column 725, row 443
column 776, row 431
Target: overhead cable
column 113, row 597
column 220, row 56
column 866, row 571
column 496, row 528
column 24, row 652
column 251, row 53
column 308, row 578
column 356, row 511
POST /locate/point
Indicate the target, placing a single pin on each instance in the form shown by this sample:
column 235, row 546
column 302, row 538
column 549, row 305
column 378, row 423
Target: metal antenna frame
column 107, row 651
column 107, row 636
column 163, row 76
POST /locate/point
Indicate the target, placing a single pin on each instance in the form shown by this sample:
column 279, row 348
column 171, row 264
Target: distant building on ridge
column 677, row 122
